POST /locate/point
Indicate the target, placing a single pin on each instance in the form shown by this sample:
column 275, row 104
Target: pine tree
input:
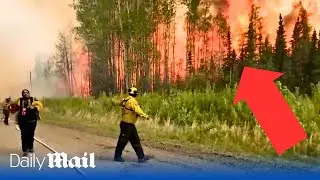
column 192, row 20
column 242, row 44
column 254, row 37
column 250, row 46
column 266, row 59
column 229, row 66
column 300, row 51
column 229, row 43
column 295, row 37
column 280, row 47
column 305, row 45
column 314, row 60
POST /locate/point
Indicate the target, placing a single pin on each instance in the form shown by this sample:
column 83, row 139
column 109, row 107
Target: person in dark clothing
column 6, row 110
column 128, row 132
column 27, row 117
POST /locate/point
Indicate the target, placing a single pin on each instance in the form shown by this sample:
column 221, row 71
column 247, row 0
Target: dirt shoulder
column 76, row 142
column 172, row 153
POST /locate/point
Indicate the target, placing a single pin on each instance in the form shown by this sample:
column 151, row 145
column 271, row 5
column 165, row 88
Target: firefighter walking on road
column 6, row 110
column 28, row 114
column 128, row 132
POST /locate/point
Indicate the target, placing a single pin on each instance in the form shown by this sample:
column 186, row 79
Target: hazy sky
column 28, row 28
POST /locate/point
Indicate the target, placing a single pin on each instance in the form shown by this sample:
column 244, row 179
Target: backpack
column 123, row 104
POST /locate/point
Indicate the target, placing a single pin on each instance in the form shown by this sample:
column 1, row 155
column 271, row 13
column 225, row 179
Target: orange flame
column 237, row 12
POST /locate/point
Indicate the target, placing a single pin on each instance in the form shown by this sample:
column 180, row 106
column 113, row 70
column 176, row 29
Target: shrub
column 204, row 118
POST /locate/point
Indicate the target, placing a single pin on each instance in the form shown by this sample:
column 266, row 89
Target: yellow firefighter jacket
column 131, row 110
column 32, row 103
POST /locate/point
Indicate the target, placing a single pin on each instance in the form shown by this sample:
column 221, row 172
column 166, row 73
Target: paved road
column 77, row 143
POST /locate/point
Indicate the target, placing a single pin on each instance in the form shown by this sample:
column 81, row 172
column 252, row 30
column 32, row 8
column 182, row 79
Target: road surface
column 76, row 143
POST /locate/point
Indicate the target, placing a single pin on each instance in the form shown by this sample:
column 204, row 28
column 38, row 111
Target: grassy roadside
column 196, row 123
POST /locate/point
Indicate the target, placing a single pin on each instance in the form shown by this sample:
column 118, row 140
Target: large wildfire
column 30, row 27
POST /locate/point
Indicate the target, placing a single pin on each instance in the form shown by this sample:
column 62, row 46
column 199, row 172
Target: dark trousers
column 128, row 132
column 6, row 117
column 27, row 130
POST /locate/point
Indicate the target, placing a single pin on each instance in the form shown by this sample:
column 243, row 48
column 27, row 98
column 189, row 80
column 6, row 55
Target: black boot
column 25, row 154
column 118, row 159
column 139, row 152
column 144, row 159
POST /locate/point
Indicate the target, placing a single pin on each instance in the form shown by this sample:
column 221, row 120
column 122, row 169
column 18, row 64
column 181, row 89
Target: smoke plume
column 28, row 31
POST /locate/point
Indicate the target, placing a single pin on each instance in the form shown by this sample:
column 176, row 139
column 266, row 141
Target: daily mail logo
column 55, row 160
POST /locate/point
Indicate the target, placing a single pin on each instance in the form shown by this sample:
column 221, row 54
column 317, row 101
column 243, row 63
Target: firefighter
column 28, row 114
column 128, row 132
column 6, row 110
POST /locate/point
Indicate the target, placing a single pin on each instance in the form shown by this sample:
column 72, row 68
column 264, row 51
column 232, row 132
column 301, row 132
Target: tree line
column 132, row 42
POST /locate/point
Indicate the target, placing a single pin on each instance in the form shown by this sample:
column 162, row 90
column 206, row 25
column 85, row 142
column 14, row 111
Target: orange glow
column 237, row 12
column 206, row 45
column 34, row 24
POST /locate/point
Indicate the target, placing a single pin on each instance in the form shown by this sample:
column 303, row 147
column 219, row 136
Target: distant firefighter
column 28, row 114
column 6, row 110
column 128, row 132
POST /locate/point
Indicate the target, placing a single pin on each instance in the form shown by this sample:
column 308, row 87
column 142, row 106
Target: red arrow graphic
column 258, row 90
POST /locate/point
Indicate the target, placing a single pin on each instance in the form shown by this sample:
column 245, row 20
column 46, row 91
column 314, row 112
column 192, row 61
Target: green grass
column 196, row 122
